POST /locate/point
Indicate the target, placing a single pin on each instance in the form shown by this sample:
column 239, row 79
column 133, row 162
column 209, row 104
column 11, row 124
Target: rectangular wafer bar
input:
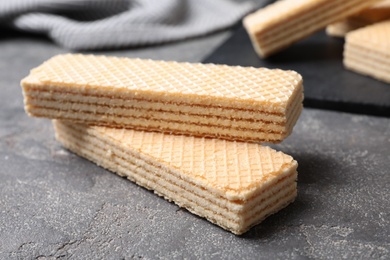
column 232, row 184
column 366, row 51
column 373, row 14
column 235, row 103
column 284, row 22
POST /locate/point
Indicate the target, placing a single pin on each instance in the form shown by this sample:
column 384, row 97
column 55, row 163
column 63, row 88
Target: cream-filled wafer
column 373, row 14
column 284, row 22
column 232, row 184
column 367, row 51
column 235, row 103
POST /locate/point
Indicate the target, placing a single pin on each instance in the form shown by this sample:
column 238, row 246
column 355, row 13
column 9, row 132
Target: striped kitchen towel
column 102, row 24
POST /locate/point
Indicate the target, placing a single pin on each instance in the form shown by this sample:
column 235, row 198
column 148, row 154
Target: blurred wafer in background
column 374, row 14
column 285, row 22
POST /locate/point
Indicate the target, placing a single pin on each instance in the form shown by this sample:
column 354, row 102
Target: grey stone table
column 54, row 204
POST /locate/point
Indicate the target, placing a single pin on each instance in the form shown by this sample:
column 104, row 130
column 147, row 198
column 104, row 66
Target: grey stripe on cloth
column 100, row 24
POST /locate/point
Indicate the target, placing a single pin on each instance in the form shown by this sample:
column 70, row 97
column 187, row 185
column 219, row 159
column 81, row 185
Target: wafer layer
column 233, row 184
column 367, row 51
column 279, row 25
column 237, row 103
column 373, row 14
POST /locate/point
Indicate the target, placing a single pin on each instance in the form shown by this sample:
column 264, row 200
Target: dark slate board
column 319, row 60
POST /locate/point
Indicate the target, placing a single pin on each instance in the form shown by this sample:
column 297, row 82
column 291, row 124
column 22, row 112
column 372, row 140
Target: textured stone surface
column 54, row 204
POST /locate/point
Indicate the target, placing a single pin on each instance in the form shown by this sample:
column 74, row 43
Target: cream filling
column 166, row 126
column 71, row 107
column 256, row 113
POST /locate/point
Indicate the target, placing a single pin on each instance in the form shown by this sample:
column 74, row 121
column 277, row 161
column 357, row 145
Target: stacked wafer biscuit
column 373, row 14
column 284, row 22
column 367, row 51
column 233, row 184
column 95, row 100
column 234, row 103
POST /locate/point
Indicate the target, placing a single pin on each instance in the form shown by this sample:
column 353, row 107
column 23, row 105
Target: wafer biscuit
column 235, row 103
column 367, row 51
column 374, row 14
column 232, row 184
column 284, row 22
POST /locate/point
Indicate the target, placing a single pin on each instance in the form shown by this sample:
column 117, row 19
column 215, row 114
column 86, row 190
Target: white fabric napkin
column 102, row 24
